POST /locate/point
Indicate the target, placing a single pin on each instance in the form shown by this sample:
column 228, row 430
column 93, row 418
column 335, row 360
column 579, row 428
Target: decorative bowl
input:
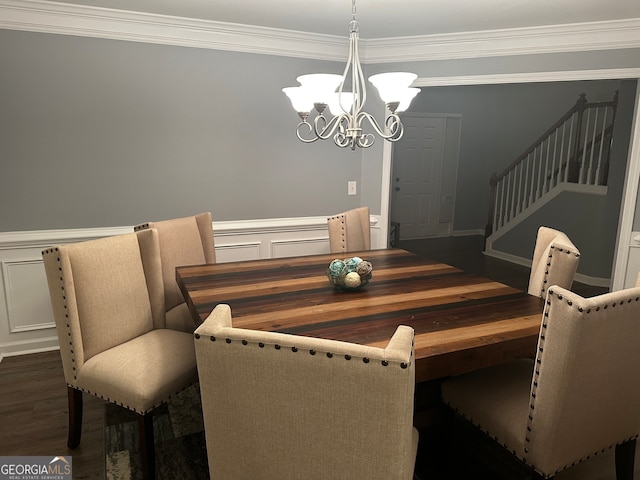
column 349, row 274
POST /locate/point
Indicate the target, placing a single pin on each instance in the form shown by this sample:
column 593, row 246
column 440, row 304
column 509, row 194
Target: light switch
column 351, row 187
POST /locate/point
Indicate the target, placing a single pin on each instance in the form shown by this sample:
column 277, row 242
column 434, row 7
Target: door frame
column 448, row 168
column 630, row 193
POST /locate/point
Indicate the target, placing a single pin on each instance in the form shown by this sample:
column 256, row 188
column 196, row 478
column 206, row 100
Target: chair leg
column 625, row 453
column 74, row 397
column 147, row 448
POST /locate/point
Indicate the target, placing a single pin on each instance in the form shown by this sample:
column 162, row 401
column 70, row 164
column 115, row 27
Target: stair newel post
column 574, row 162
column 493, row 182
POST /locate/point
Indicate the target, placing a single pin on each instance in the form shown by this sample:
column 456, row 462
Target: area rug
column 179, row 440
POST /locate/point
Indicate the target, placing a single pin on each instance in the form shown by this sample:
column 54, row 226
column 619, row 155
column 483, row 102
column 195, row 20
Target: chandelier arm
column 394, row 129
column 341, row 139
column 394, row 126
column 324, row 129
column 366, row 140
column 304, row 125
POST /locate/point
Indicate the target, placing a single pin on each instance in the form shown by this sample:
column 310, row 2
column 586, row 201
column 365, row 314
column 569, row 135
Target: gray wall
column 108, row 133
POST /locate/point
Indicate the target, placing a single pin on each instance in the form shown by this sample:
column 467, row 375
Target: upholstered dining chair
column 577, row 399
column 555, row 261
column 108, row 305
column 285, row 406
column 183, row 241
column 350, row 231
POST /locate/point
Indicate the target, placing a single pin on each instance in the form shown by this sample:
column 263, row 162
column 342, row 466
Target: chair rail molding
column 98, row 22
column 26, row 319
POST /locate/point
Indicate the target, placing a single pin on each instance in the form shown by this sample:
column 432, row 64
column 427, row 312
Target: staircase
column 572, row 155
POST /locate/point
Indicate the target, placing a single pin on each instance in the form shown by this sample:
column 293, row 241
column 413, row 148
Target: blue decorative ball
column 350, row 273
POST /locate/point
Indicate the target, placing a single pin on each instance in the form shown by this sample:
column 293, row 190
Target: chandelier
column 322, row 90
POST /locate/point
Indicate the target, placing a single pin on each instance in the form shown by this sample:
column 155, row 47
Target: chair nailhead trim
column 312, row 352
column 55, row 251
column 537, row 373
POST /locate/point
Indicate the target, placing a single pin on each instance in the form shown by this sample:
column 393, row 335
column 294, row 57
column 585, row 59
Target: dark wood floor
column 33, row 401
column 33, row 405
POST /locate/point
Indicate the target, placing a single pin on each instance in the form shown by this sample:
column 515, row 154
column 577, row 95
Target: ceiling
column 385, row 18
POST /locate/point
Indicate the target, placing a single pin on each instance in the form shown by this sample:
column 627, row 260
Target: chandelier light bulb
column 300, row 99
column 321, row 86
column 407, row 96
column 392, row 86
column 340, row 103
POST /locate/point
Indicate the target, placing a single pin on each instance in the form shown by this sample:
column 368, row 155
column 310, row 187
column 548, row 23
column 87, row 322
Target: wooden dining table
column 462, row 321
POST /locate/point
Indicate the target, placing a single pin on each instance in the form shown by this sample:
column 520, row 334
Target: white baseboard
column 579, row 277
column 29, row 346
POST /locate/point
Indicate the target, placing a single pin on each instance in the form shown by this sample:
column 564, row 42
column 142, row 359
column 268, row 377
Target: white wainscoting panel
column 26, row 317
column 24, row 311
column 237, row 252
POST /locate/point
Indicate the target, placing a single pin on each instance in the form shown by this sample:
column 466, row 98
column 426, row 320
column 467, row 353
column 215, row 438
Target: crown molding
column 529, row 77
column 76, row 20
column 85, row 21
column 618, row 34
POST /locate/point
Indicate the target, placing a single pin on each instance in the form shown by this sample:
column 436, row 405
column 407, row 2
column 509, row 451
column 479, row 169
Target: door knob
column 397, row 189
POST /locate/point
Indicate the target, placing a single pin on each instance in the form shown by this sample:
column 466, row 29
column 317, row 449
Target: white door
column 417, row 176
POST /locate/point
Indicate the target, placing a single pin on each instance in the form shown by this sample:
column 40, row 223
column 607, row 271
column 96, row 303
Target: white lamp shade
column 300, row 99
column 391, row 86
column 408, row 95
column 340, row 103
column 320, row 85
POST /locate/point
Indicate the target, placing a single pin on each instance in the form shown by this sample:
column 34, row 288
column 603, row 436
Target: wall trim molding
column 40, row 345
column 529, row 77
column 577, row 37
column 44, row 238
column 26, row 319
column 579, row 277
column 97, row 22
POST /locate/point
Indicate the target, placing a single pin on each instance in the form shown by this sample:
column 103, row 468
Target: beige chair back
column 284, row 406
column 350, row 231
column 585, row 394
column 104, row 293
column 578, row 398
column 555, row 261
column 183, row 241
